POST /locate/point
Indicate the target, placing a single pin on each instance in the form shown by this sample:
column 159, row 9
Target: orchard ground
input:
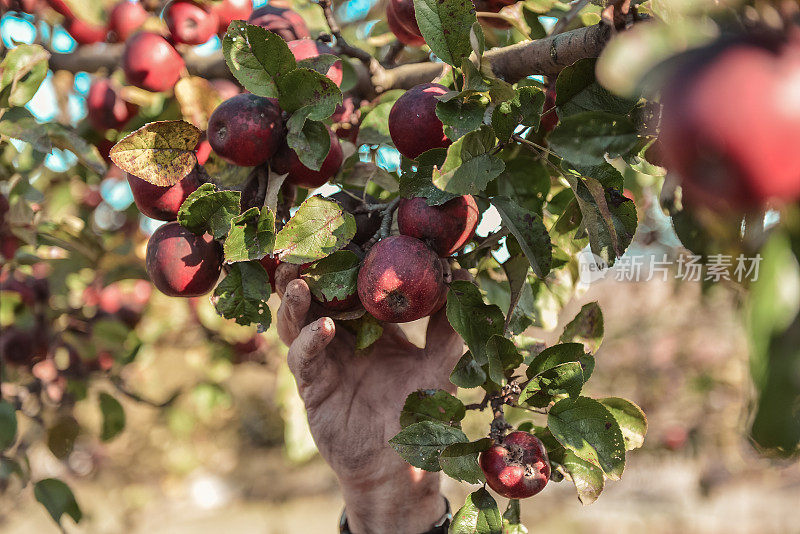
column 198, row 469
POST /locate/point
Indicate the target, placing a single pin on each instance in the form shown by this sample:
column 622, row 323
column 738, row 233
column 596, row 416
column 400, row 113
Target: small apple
column 518, row 467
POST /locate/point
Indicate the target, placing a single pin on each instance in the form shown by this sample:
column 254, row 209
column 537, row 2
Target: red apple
column 400, row 30
column 286, row 161
column 230, row 10
column 518, row 467
column 85, row 33
column 190, row 22
column 445, row 228
column 125, row 18
column 413, row 123
column 162, row 203
column 285, row 22
column 246, row 130
column 105, row 108
column 151, row 63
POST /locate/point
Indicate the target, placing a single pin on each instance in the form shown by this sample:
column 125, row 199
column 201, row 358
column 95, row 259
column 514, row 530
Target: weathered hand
column 354, row 403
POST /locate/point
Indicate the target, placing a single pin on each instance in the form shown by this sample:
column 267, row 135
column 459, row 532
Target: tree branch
column 545, row 56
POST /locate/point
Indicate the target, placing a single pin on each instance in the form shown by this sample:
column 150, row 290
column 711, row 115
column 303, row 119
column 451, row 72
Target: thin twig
column 386, row 224
column 120, row 386
column 353, row 51
column 564, row 21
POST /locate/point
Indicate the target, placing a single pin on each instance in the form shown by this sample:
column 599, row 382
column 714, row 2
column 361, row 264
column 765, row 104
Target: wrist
column 407, row 503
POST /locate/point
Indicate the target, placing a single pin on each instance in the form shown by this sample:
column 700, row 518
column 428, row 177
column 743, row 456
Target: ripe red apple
column 445, row 228
column 270, row 264
column 413, row 123
column 307, row 48
column 125, row 18
column 400, row 280
column 151, row 63
column 285, row 22
column 230, row 10
column 405, row 16
column 83, row 32
column 286, row 161
column 400, row 30
column 182, row 264
column 366, row 223
column 162, row 203
column 203, row 151
column 190, row 22
column 730, row 125
column 105, row 108
column 246, row 130
column 518, row 467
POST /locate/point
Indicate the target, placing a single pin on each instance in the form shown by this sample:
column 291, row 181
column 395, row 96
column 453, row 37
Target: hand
column 354, row 403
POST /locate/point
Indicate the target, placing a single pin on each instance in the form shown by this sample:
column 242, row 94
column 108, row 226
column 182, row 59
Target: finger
column 306, row 356
column 285, row 273
column 293, row 310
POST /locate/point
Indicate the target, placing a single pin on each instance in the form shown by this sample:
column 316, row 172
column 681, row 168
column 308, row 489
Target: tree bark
column 545, row 56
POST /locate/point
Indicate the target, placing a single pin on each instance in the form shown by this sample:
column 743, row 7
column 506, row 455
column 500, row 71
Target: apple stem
column 386, row 224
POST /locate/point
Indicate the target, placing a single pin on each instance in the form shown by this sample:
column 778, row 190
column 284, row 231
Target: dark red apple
column 203, row 151
column 125, row 18
column 246, row 130
column 190, row 22
column 405, row 16
column 445, row 228
column 730, row 125
column 413, row 123
column 518, row 467
column 151, row 63
column 283, row 21
column 182, row 264
column 400, row 30
column 105, row 108
column 367, row 224
column 307, row 48
column 286, row 161
column 162, row 203
column 400, row 280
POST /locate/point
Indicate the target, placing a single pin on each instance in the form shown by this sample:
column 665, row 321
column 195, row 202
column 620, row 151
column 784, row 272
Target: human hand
column 354, row 402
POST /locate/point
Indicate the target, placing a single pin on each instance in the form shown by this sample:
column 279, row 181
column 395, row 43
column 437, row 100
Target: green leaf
column 468, row 373
column 473, row 319
column 527, row 181
column 445, row 25
column 251, row 236
column 525, row 108
column 318, row 228
column 577, row 91
column 421, row 444
column 161, row 153
column 588, row 429
column 58, row 499
column 334, row 277
column 564, row 379
column 8, row 425
column 320, row 64
column 516, row 268
column 502, row 356
column 209, row 210
column 368, row 331
column 560, row 354
column 432, row 405
column 460, row 461
column 460, row 117
column 511, row 521
column 587, row 478
column 479, row 515
column 586, row 328
column 586, row 138
column 113, row 417
column 304, row 88
column 243, row 293
column 256, row 57
column 309, row 139
column 631, row 419
column 23, row 69
column 415, row 178
column 531, row 234
column 469, row 165
column 61, row 436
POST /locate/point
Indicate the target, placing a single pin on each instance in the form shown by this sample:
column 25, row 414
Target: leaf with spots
column 479, row 515
column 161, row 153
column 445, row 25
column 472, row 318
column 308, row 138
column 586, row 328
column 432, row 405
column 251, row 236
column 256, row 57
column 334, row 277
column 421, row 444
column 470, row 164
column 528, row 227
column 632, row 420
column 318, row 228
column 305, row 88
column 588, row 429
column 209, row 210
column 243, row 293
column 460, row 461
